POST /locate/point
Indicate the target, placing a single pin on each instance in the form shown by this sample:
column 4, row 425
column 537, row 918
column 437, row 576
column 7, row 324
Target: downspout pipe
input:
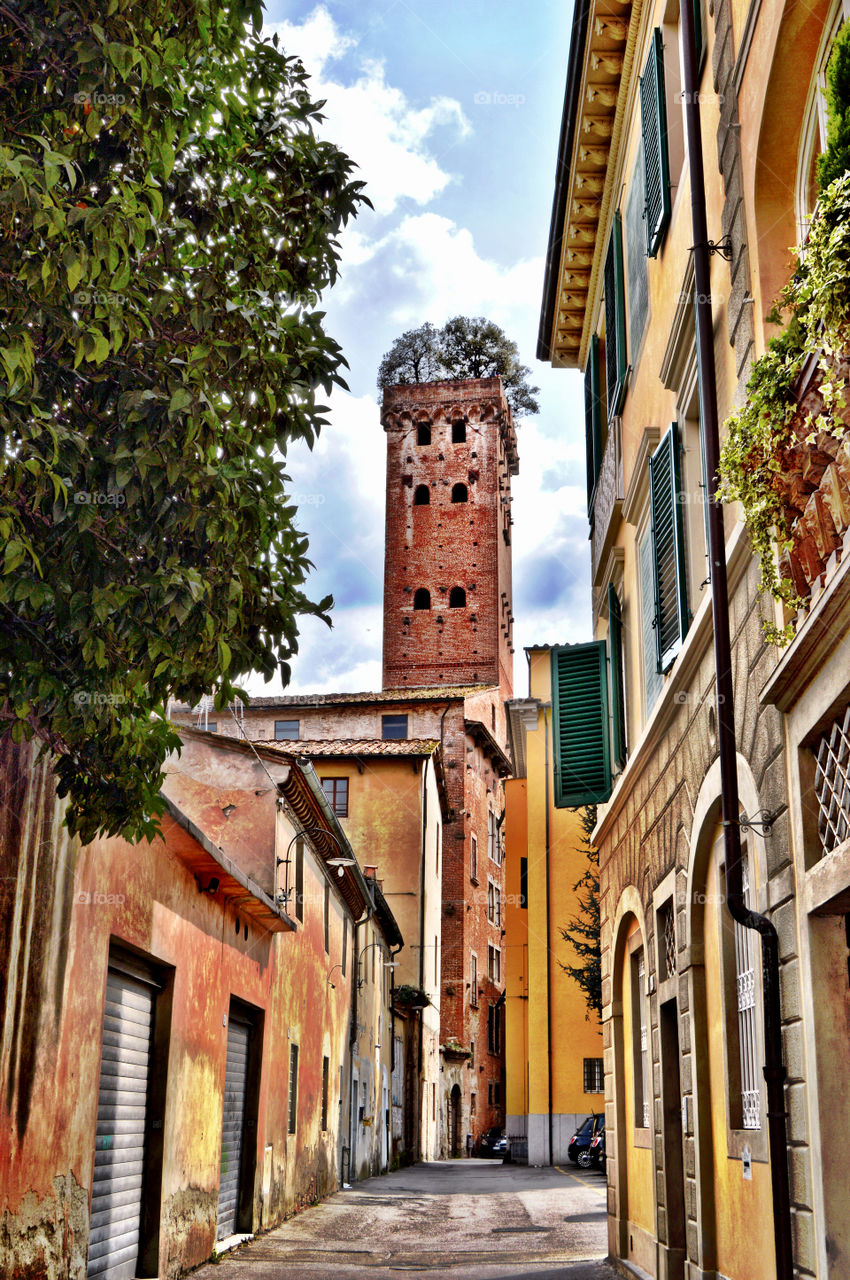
column 545, row 709
column 774, row 1068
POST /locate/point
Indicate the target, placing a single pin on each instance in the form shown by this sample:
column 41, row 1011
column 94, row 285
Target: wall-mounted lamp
column 212, row 887
column 332, row 985
column 340, row 863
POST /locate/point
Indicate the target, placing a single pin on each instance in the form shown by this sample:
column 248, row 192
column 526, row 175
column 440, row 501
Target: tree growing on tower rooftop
column 168, row 221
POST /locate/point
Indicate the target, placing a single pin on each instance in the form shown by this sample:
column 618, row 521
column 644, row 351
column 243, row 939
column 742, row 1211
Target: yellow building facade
column 696, row 1188
column 553, row 1046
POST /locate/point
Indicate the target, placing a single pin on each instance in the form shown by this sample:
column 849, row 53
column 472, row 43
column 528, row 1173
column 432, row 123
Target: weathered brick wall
column 447, row 544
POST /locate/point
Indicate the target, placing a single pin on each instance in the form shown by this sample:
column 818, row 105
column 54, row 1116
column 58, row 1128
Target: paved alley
column 474, row 1218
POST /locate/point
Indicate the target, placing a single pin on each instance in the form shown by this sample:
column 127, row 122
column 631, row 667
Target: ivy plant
column 816, row 306
column 168, row 221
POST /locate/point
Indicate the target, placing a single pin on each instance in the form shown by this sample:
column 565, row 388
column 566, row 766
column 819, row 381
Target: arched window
column 458, row 433
column 421, row 496
column 459, row 493
column 813, row 132
column 422, row 598
column 457, row 598
column 423, row 433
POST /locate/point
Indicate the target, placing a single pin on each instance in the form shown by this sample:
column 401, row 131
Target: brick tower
column 451, row 452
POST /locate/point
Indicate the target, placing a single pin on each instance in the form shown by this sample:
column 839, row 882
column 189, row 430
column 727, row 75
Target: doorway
column 454, row 1120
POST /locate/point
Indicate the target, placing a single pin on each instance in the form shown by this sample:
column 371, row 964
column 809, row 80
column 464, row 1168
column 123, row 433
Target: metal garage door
column 119, row 1149
column 233, row 1124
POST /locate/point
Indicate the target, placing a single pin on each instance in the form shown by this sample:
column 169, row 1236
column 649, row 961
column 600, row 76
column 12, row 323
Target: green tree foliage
column 835, row 161
column 583, row 930
column 168, row 219
column 463, row 348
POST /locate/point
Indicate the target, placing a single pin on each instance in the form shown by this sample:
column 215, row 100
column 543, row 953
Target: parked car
column 594, row 1155
column 494, row 1143
column 583, row 1136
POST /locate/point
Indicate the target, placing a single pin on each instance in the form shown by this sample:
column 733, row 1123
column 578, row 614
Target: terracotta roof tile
column 425, row 694
column 353, row 747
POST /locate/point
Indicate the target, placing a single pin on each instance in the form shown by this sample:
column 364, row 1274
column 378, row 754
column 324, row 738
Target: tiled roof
column 354, row 747
column 431, row 693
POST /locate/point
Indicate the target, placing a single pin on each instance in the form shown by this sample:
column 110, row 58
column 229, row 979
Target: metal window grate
column 668, row 924
column 594, row 1076
column 745, row 981
column 832, row 783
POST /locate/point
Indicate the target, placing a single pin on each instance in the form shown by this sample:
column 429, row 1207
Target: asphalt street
column 472, row 1219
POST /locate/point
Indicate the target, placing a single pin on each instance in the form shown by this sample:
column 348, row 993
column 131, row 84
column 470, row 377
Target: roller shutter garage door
column 233, row 1124
column 121, row 1108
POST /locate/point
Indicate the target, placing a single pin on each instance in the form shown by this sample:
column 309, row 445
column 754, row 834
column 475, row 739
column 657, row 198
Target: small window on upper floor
column 422, row 598
column 458, row 433
column 457, row 598
column 286, row 730
column 393, row 727
column 423, row 433
column 336, row 793
column 212, row 726
column 421, row 496
column 460, row 493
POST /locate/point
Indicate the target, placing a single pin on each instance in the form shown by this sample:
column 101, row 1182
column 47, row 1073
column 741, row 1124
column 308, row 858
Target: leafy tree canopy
column 583, row 930
column 463, row 348
column 168, row 219
column 835, row 161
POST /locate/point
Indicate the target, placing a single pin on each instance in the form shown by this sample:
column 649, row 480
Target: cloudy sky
column 451, row 111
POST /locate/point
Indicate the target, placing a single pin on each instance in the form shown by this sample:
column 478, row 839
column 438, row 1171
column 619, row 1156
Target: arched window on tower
column 422, row 598
column 423, row 433
column 458, row 433
column 460, row 493
column 421, row 496
column 457, row 598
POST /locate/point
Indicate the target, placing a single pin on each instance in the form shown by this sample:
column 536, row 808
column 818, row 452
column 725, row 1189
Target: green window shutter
column 580, row 724
column 618, row 692
column 653, row 681
column 592, row 419
column 615, row 319
column 699, row 33
column 668, row 549
column 653, row 115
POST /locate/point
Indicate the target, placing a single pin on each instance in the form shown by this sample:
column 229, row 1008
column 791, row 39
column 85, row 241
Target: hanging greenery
column 816, row 304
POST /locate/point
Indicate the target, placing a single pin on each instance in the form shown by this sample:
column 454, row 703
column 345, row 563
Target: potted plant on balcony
column 409, row 997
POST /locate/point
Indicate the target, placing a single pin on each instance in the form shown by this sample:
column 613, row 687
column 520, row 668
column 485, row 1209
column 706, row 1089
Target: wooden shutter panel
column 618, row 694
column 592, row 418
column 615, row 320
column 580, row 724
column 653, row 114
column 668, row 551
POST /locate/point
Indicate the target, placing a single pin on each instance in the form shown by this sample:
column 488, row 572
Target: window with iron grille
column 293, row 1086
column 745, row 984
column 667, row 939
column 594, row 1076
column 832, row 783
column 336, row 793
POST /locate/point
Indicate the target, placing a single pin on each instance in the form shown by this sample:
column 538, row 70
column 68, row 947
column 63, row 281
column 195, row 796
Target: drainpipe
column 774, row 1069
column 545, row 709
column 420, row 1053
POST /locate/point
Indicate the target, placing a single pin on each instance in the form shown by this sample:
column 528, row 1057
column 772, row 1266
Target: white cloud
column 372, row 120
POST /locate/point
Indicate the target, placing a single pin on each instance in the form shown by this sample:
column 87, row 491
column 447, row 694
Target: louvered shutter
column 580, row 724
column 653, row 114
column 615, row 320
column 652, row 679
column 668, row 552
column 592, row 418
column 233, row 1124
column 618, row 695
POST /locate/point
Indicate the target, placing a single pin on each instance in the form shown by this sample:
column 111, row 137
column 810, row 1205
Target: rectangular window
column 212, row 726
column 473, row 858
column 594, row 1078
column 433, row 1102
column 293, row 1086
column 491, row 836
column 325, row 1070
column 494, row 964
column 618, row 691
column 344, row 960
column 472, row 1103
column 523, row 882
column 299, row 879
column 336, row 793
column 491, row 902
column 656, row 165
column 473, row 980
column 494, row 1029
column 592, row 419
column 327, row 917
column 652, row 678
column 668, row 549
column 832, row 782
column 580, row 724
column 286, row 730
column 637, row 275
column 393, row 727
column 745, row 984
column 615, row 320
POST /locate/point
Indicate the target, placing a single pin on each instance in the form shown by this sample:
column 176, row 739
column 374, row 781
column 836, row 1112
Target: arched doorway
column 454, row 1120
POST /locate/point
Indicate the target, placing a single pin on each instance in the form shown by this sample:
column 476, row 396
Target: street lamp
column 340, row 860
column 388, row 964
